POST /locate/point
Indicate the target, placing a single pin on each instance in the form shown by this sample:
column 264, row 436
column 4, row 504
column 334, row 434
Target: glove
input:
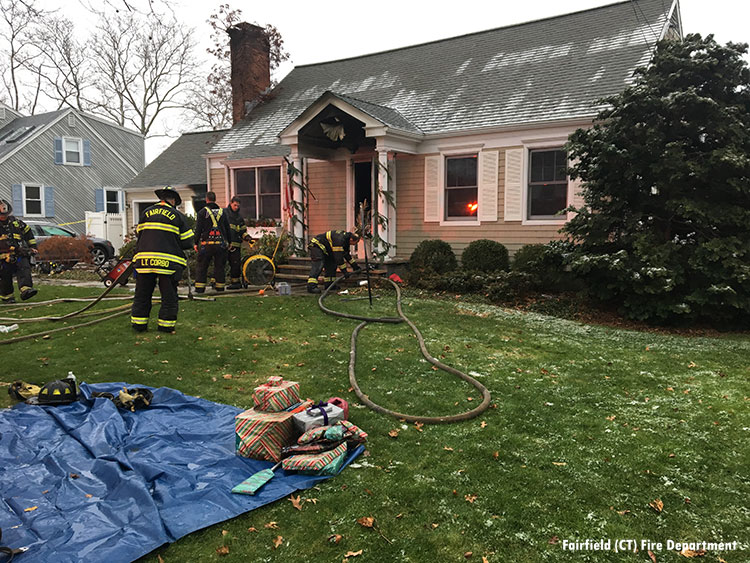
column 346, row 275
column 356, row 268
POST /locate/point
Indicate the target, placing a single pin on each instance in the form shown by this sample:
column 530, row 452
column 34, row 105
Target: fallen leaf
column 470, row 498
column 88, row 495
column 692, row 365
column 399, row 515
column 223, row 550
column 225, row 532
column 30, row 509
column 419, row 425
column 692, row 553
column 447, row 449
column 159, row 559
column 623, row 512
column 277, row 542
column 485, row 560
column 353, row 553
column 74, row 475
column 469, row 398
column 651, row 556
column 434, row 525
column 335, row 538
column 559, row 463
column 366, row 521
column 670, row 388
column 657, row 505
column 553, row 540
column 296, row 502
column 45, row 492
column 468, row 555
column 227, row 376
column 312, row 500
column 496, row 455
column 271, row 526
column 434, row 368
column 393, row 433
column 483, row 425
column 614, row 416
column 252, row 529
column 300, row 364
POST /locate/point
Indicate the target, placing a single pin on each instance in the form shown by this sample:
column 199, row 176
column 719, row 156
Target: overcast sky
column 321, row 31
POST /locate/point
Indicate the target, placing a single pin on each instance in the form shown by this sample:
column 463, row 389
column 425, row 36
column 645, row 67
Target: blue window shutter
column 99, row 198
column 17, row 202
column 49, row 201
column 58, row 150
column 86, row 152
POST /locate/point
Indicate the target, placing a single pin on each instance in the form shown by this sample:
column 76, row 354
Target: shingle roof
column 35, row 121
column 540, row 71
column 180, row 163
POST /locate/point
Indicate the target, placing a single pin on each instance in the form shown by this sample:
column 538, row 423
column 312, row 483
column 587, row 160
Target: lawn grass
column 589, row 425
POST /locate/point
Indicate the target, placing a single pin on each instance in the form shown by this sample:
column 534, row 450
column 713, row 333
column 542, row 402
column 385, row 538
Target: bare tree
column 63, row 68
column 141, row 67
column 210, row 102
column 18, row 53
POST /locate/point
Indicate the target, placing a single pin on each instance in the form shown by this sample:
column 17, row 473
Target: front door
column 362, row 194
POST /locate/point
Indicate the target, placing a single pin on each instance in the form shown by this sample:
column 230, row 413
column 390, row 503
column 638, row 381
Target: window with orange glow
column 461, row 187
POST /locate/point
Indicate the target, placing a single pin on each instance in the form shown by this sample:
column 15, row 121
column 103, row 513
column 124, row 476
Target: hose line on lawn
column 486, row 398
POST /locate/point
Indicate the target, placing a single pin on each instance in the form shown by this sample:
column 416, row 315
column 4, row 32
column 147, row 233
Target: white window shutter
column 432, row 186
column 488, row 163
column 513, row 184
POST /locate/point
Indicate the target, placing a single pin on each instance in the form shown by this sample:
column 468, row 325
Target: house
column 182, row 165
column 56, row 166
column 457, row 139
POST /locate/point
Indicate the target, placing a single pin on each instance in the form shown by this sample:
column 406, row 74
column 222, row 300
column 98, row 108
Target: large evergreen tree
column 665, row 227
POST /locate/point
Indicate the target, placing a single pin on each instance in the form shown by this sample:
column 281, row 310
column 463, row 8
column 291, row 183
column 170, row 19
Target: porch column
column 386, row 204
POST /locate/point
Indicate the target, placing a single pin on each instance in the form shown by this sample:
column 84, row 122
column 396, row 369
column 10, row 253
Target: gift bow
column 320, row 406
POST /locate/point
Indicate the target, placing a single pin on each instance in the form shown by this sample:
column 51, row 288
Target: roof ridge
column 445, row 39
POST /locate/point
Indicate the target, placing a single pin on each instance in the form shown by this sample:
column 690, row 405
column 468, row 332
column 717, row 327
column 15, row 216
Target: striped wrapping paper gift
column 261, row 435
column 313, row 462
column 276, row 395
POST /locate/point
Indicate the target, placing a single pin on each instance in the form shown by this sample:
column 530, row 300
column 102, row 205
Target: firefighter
column 237, row 233
column 330, row 251
column 211, row 242
column 163, row 236
column 17, row 243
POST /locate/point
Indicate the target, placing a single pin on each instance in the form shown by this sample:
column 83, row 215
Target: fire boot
column 9, row 300
column 29, row 293
column 313, row 288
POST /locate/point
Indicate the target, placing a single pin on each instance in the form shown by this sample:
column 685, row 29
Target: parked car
column 101, row 250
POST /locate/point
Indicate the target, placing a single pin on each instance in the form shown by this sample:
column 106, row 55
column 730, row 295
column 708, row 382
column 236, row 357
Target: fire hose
column 402, row 318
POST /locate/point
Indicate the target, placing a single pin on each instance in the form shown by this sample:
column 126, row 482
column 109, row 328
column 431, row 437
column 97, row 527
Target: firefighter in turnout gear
column 211, row 243
column 163, row 236
column 17, row 244
column 330, row 251
column 237, row 233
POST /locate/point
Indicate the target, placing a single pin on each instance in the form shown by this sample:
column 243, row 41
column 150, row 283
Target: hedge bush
column 431, row 257
column 546, row 264
column 485, row 255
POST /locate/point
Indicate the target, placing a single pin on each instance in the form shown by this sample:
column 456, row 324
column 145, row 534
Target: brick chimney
column 251, row 68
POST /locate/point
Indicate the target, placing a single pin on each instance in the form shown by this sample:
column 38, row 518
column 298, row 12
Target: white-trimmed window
column 112, row 199
column 72, row 150
column 259, row 190
column 461, row 188
column 33, row 200
column 547, row 188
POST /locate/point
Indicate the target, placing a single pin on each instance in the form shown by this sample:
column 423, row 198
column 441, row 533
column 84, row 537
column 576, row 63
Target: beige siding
column 410, row 216
column 327, row 180
column 218, row 186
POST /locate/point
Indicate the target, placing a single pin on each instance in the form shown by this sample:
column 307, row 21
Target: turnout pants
column 235, row 265
column 21, row 268
column 144, row 290
column 207, row 253
column 318, row 262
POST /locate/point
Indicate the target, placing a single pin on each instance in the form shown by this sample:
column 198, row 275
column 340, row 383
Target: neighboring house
column 182, row 165
column 466, row 134
column 56, row 166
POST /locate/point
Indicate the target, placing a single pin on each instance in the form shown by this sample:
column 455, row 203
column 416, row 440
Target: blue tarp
column 89, row 482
